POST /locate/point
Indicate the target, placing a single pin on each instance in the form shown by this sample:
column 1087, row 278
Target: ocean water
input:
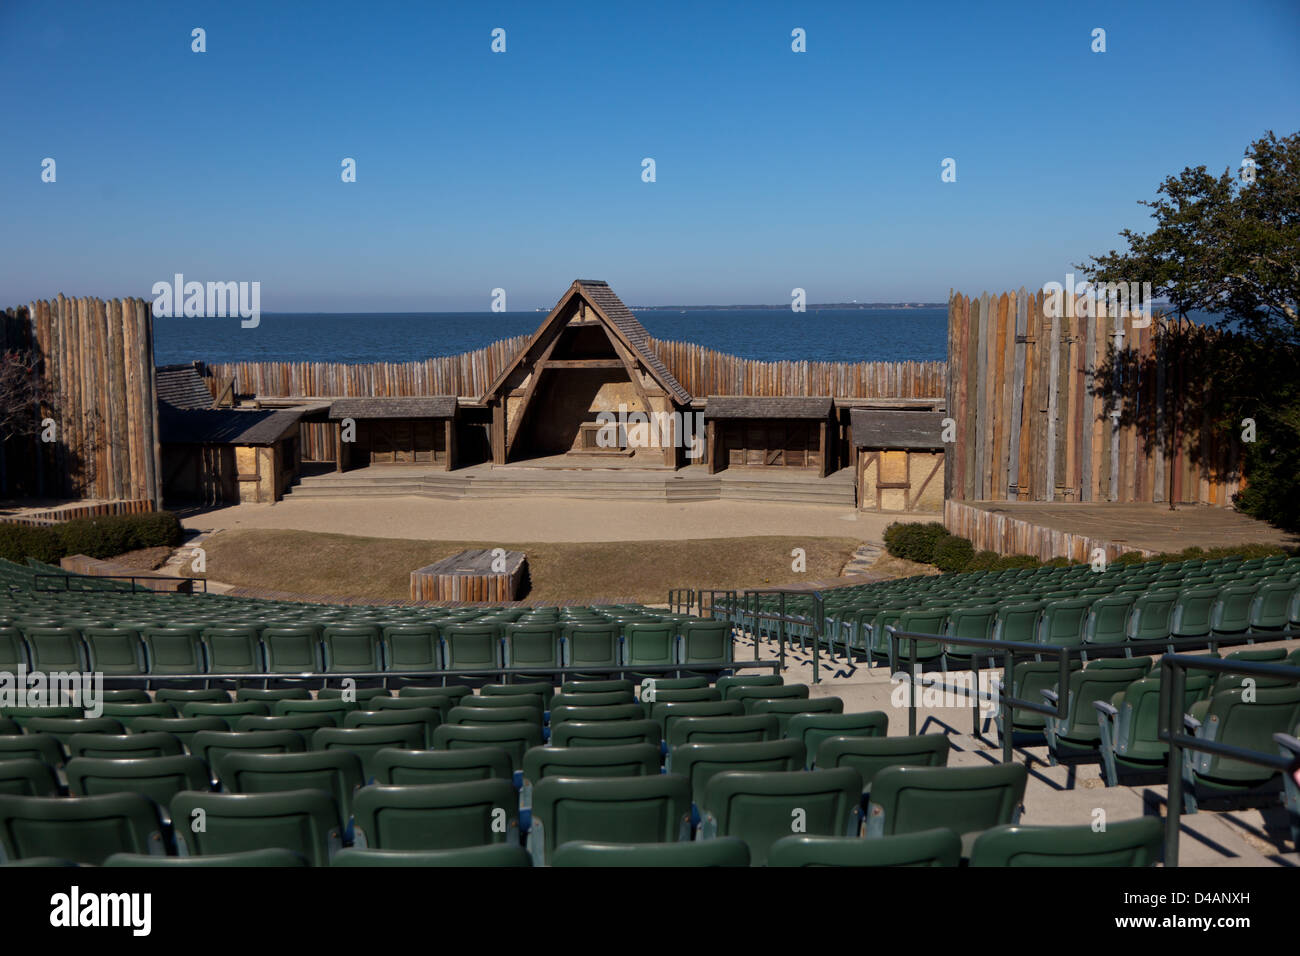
column 836, row 335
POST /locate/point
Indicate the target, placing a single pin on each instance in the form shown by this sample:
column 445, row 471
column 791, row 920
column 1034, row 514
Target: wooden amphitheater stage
column 558, row 477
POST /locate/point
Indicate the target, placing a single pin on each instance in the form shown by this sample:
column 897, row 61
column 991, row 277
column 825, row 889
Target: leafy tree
column 1230, row 245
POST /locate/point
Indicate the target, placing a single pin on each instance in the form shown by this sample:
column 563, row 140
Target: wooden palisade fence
column 96, row 356
column 1048, row 409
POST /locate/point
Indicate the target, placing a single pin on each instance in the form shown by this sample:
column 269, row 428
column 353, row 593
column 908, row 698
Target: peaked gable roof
column 618, row 319
column 182, row 386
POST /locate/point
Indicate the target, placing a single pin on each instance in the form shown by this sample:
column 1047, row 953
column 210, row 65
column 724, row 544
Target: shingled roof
column 764, row 406
column 600, row 295
column 182, row 386
column 896, row 428
column 224, row 426
column 417, row 406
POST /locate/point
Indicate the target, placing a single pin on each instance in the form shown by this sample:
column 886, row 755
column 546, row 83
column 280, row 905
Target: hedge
column 102, row 537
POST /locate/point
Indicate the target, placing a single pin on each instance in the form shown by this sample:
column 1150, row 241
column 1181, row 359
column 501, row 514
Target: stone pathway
column 863, row 558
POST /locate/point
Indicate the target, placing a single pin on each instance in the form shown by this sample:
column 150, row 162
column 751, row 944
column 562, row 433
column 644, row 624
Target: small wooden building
column 227, row 456
column 395, row 431
column 766, row 432
column 900, row 456
column 587, row 364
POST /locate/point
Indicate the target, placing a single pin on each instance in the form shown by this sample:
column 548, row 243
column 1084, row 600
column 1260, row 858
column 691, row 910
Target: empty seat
column 722, row 730
column 271, row 857
column 812, row 729
column 592, row 645
column 412, row 648
column 366, row 742
column 627, row 760
column 477, row 716
column 514, row 738
column 233, row 650
column 1246, row 718
column 437, row 816
column 177, row 696
column 128, row 714
column 269, row 695
column 938, row 847
column 762, row 808
column 724, row 851
column 152, row 743
column 591, row 699
column 1122, row 843
column 64, row 727
column 605, row 733
column 56, row 649
column 749, row 692
column 590, row 686
column 501, row 854
column 472, row 647
column 532, row 645
column 182, row 728
column 965, row 800
column 304, row 724
column 1078, row 734
column 870, row 755
column 211, row 745
column 115, row 651
column 229, row 713
column 355, row 648
column 336, row 708
column 158, row 778
column 407, row 767
column 699, row 763
column 424, row 717
column 292, row 650
column 706, row 642
column 650, row 644
column 303, row 821
column 1130, row 722
column 28, row 777
column 174, row 650
column 666, row 714
column 725, row 684
column 529, row 688
column 337, row 772
column 81, row 829
column 614, row 712
column 649, row 809
column 785, row 710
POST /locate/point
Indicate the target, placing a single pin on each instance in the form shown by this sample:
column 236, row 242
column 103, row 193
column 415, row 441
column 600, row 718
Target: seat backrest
column 526, row 688
column 211, row 745
column 304, row 821
column 1062, row 622
column 229, row 713
column 366, row 742
column 627, row 760
column 603, row 699
column 293, row 650
column 426, row 718
column 408, row 767
column 1122, row 843
column 724, row 851
column 81, row 829
column 56, row 649
column 1152, row 616
column 177, row 696
column 233, row 650
column 412, row 648
column 1107, row 621
column 28, row 777
column 565, row 712
column 869, row 755
column 114, row 651
column 812, row 729
column 472, row 647
column 699, row 763
column 706, row 642
column 137, row 745
column 770, row 692
column 352, row 648
column 1247, row 718
column 592, row 645
column 337, row 772
column 182, row 728
column 437, row 816
column 665, row 714
column 605, row 733
column 515, row 738
column 591, row 687
column 533, row 645
column 158, row 778
column 335, row 708
column 723, row 730
column 64, row 727
column 1093, row 684
column 784, row 710
column 494, row 715
column 647, row 809
column 650, row 644
column 762, row 808
column 13, row 651
column 726, row 685
column 962, row 799
column 938, row 847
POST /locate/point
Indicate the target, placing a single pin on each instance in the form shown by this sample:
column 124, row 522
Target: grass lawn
column 307, row 562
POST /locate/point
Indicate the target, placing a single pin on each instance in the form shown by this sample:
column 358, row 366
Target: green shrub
column 914, row 541
column 983, row 561
column 1010, row 562
column 111, row 535
column 19, row 542
column 953, row 553
column 1058, row 563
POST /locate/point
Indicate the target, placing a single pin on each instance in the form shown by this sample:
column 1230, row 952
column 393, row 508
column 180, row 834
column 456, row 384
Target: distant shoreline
column 785, row 307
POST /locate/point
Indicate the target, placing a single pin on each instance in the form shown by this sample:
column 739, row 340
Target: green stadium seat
column 666, row 714
column 974, row 622
column 365, row 742
column 965, row 800
column 174, row 650
column 699, row 763
column 1063, row 623
column 337, row 772
column 302, row 723
column 627, row 760
column 212, row 745
column 605, row 699
column 605, row 733
column 228, row 713
column 302, row 821
column 363, row 696
column 233, row 650
column 335, row 708
column 424, row 717
column 269, row 695
column 115, row 651
column 1107, row 622
column 725, row 684
column 128, row 714
column 649, row 809
column 724, row 851
column 870, row 755
column 497, row 855
column 785, row 710
column 55, row 649
column 812, row 728
column 478, row 716
column 723, row 730
column 355, row 648
column 411, row 767
column 472, row 647
column 412, row 648
column 249, row 858
column 706, row 642
column 1078, row 735
column 440, row 816
column 178, row 696
column 158, row 778
column 762, row 808
column 771, row 692
column 533, row 645
column 292, row 650
column 64, row 727
column 81, row 829
column 591, row 687
column 650, row 644
column 592, row 645
column 28, row 777
column 937, row 847
column 136, row 746
column 1122, row 843
column 565, row 712
column 1130, row 722
column 182, row 728
column 515, row 738
column 527, row 689
column 1246, row 718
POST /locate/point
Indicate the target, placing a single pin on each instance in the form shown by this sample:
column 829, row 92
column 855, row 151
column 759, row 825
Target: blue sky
column 522, row 170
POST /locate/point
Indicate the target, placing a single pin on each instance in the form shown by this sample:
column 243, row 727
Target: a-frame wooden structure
column 589, row 355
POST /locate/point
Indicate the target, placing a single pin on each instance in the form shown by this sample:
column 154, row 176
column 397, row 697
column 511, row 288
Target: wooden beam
column 580, row 363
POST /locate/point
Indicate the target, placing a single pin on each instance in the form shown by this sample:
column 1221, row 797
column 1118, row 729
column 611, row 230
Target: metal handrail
column 818, row 621
column 132, row 578
column 1005, row 701
column 1173, row 685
